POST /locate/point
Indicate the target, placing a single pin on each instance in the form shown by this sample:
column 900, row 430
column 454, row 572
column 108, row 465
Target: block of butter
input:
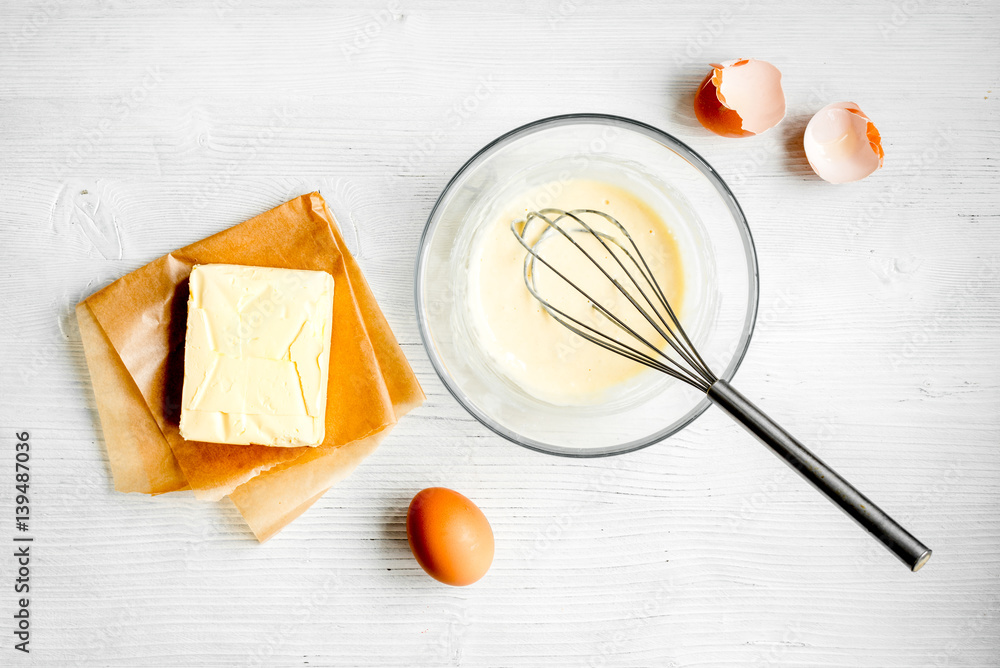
column 257, row 355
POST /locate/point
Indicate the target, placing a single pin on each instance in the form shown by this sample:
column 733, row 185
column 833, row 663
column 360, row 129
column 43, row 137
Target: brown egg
column 740, row 98
column 449, row 536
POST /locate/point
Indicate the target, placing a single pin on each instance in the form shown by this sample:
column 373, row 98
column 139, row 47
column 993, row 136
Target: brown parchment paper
column 306, row 478
column 141, row 459
column 276, row 497
column 142, row 316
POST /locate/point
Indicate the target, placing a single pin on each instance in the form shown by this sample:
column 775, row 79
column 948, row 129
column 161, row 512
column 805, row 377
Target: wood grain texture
column 876, row 342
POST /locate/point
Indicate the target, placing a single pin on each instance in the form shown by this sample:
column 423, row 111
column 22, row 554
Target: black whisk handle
column 873, row 519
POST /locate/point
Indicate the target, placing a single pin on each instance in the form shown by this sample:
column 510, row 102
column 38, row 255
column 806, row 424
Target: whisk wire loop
column 591, row 334
column 690, row 353
column 690, row 369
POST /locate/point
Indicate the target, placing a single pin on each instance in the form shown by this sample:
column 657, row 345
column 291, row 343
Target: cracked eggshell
column 842, row 144
column 740, row 98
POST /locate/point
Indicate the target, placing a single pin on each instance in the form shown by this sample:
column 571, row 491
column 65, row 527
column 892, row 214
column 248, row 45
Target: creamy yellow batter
column 527, row 344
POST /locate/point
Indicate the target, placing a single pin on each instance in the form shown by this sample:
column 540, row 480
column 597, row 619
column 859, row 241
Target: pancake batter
column 527, row 344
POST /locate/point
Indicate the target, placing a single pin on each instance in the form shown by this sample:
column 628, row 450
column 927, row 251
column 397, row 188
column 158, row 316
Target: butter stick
column 257, row 356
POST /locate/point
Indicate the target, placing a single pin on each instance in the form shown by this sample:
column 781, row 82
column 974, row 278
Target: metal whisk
column 663, row 345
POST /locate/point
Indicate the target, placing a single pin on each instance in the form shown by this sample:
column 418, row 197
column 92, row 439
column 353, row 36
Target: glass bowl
column 720, row 276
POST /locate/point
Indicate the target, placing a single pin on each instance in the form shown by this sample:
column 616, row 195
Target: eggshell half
column 842, row 144
column 740, row 98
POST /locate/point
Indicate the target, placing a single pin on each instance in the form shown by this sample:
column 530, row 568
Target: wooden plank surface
column 877, row 340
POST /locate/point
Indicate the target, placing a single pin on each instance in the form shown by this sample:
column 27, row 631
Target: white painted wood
column 877, row 342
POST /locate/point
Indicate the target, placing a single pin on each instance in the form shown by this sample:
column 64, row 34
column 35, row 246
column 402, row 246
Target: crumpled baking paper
column 133, row 336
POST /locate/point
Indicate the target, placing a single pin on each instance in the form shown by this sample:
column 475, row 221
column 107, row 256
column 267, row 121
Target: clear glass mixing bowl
column 720, row 272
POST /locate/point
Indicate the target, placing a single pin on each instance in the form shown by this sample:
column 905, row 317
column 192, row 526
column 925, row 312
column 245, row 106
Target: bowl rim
column 694, row 159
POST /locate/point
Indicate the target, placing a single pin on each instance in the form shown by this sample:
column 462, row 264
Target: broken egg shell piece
column 740, row 98
column 842, row 144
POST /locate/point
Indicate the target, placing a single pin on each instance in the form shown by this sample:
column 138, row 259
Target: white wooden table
column 877, row 340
